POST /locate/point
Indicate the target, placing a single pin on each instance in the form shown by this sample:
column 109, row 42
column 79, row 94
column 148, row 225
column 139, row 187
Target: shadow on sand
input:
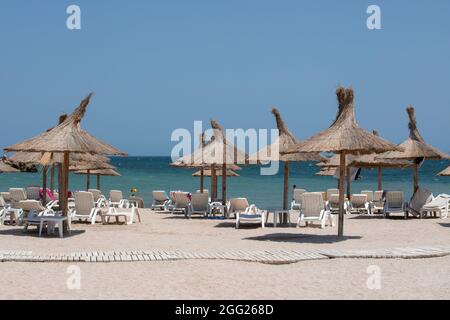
column 34, row 233
column 302, row 238
column 445, row 225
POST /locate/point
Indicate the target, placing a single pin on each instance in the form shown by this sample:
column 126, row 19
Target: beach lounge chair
column 359, row 204
column 4, row 208
column 199, row 205
column 437, row 206
column 85, row 208
column 182, row 202
column 115, row 197
column 369, row 195
column 160, row 200
column 297, row 198
column 33, row 193
column 127, row 213
column 99, row 198
column 378, row 201
column 246, row 213
column 32, row 211
column 6, row 197
column 313, row 209
column 394, row 203
column 420, row 198
column 330, row 192
column 17, row 195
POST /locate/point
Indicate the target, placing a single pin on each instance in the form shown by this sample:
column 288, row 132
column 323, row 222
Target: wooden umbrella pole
column 416, row 174
column 286, row 185
column 224, row 184
column 88, row 180
column 52, row 178
column 341, row 195
column 349, row 190
column 44, row 185
column 60, row 185
column 380, row 178
column 213, row 183
column 98, row 181
column 65, row 170
column 202, row 179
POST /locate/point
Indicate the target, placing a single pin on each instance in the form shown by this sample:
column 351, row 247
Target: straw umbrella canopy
column 274, row 152
column 99, row 173
column 445, row 172
column 196, row 161
column 66, row 138
column 215, row 154
column 344, row 136
column 6, row 168
column 415, row 148
column 368, row 161
column 371, row 161
column 327, row 172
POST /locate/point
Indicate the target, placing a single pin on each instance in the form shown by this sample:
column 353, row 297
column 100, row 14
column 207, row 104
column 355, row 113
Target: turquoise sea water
column 154, row 173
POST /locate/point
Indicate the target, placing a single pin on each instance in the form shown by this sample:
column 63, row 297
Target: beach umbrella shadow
column 303, row 238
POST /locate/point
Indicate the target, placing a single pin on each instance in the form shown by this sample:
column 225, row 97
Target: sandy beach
column 221, row 279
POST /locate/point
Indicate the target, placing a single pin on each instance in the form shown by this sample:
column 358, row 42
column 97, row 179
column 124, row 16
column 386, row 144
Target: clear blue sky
column 159, row 65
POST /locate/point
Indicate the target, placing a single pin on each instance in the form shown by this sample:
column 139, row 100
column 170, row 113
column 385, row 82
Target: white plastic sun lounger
column 246, row 213
column 394, row 203
column 297, row 199
column 313, row 209
column 127, row 213
column 437, row 206
column 378, row 201
column 33, row 211
column 199, row 205
column 115, row 198
column 420, row 198
column 85, row 208
column 33, row 193
column 160, row 200
column 182, row 202
column 359, row 204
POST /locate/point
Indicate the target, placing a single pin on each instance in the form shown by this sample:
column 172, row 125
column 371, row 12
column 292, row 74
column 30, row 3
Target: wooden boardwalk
column 264, row 256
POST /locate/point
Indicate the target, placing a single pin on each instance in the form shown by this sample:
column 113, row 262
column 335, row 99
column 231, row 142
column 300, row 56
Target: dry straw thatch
column 102, row 172
column 344, row 136
column 67, row 137
column 445, row 172
column 327, row 172
column 415, row 146
column 285, row 141
column 6, row 168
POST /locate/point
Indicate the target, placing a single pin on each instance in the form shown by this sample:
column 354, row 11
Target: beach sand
column 221, row 279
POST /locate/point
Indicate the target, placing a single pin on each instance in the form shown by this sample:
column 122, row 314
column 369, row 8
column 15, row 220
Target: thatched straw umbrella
column 445, row 172
column 371, row 161
column 88, row 167
column 99, row 173
column 6, row 168
column 197, row 160
column 415, row 148
column 274, row 152
column 344, row 136
column 66, row 138
column 327, row 172
column 216, row 153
